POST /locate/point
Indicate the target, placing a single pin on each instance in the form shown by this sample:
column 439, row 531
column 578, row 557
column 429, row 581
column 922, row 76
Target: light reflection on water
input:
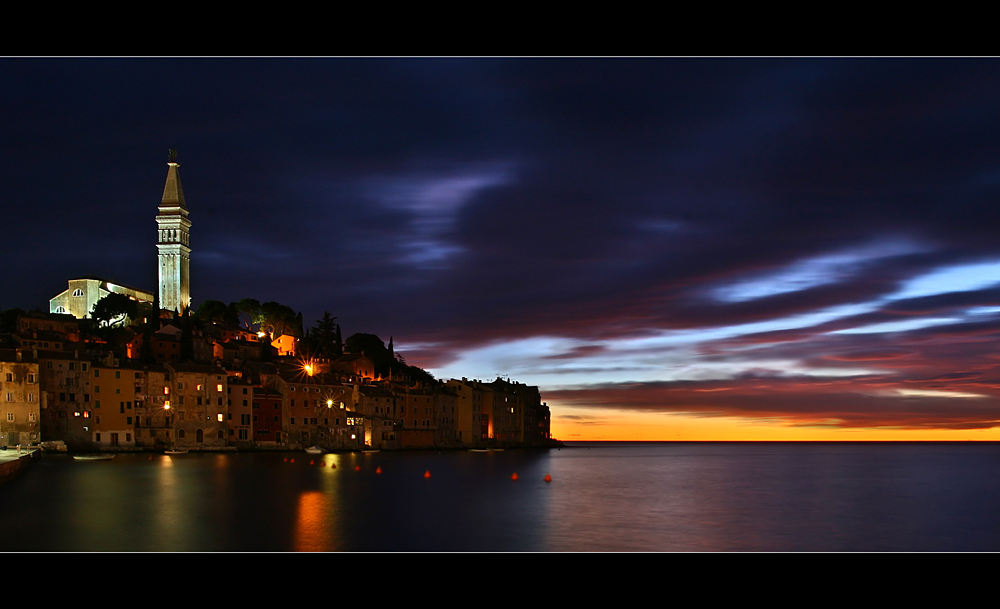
column 603, row 497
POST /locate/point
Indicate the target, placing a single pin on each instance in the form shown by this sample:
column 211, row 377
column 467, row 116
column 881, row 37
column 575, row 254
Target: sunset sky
column 671, row 249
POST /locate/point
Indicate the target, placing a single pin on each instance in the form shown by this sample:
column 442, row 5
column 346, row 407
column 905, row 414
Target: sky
column 669, row 248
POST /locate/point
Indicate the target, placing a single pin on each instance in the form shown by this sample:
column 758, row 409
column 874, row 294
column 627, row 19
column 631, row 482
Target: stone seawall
column 12, row 464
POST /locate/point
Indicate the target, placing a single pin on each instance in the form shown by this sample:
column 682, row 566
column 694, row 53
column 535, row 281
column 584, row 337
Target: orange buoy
column 514, row 477
column 311, row 462
column 292, row 460
column 357, row 468
column 378, row 470
column 427, row 474
column 548, row 478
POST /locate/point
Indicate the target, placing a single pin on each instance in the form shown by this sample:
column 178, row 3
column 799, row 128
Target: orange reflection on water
column 312, row 532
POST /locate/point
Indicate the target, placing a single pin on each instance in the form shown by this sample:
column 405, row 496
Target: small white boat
column 176, row 451
column 315, row 450
column 93, row 457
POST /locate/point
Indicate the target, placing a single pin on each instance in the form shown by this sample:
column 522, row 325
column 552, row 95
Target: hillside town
column 111, row 367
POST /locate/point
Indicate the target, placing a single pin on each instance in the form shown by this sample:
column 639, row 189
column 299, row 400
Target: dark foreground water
column 603, row 497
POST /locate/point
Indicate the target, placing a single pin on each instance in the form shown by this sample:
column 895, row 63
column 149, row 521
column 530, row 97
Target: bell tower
column 173, row 244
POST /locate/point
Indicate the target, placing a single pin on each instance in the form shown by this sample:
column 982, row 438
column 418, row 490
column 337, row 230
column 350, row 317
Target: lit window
column 218, row 388
column 166, row 391
column 220, row 417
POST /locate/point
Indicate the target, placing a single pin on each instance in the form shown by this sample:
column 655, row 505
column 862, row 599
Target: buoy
column 548, row 478
column 285, row 459
column 427, row 474
column 311, row 462
column 514, row 477
column 150, row 457
column 378, row 470
column 333, row 466
column 357, row 468
column 292, row 460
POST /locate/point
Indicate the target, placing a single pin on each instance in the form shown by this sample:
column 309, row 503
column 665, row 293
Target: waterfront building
column 471, row 428
column 173, row 244
column 65, row 398
column 378, row 407
column 315, row 411
column 113, row 419
column 266, row 420
column 19, row 398
column 240, row 397
column 198, row 396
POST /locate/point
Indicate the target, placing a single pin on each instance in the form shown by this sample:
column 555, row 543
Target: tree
column 114, row 309
column 323, row 338
column 215, row 311
column 277, row 319
column 249, row 312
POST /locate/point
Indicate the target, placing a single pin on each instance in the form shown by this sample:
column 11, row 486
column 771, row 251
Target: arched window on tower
column 78, row 292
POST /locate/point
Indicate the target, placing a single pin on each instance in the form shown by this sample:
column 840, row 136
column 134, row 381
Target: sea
column 586, row 497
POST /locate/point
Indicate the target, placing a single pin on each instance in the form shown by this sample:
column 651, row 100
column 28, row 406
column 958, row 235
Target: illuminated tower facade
column 173, row 244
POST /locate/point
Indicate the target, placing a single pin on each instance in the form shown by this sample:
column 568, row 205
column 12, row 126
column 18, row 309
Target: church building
column 173, row 261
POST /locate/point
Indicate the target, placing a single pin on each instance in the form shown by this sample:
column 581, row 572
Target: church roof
column 173, row 194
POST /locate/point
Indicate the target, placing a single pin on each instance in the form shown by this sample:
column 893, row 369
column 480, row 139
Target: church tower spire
column 173, row 244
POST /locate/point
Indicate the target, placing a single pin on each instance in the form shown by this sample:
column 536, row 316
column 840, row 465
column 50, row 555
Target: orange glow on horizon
column 594, row 425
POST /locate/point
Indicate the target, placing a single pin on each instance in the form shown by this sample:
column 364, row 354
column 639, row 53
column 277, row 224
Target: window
column 122, row 408
column 128, row 420
column 10, row 416
column 128, row 437
column 198, row 386
column 180, row 433
column 180, row 385
column 97, row 437
column 76, row 292
column 83, row 367
column 180, row 401
column 31, row 378
column 60, row 310
column 244, row 391
column 10, row 397
column 220, row 417
column 293, row 419
column 243, row 434
column 97, row 404
column 220, row 401
column 218, row 388
column 97, row 388
column 31, row 417
column 97, row 371
column 10, row 377
column 118, row 373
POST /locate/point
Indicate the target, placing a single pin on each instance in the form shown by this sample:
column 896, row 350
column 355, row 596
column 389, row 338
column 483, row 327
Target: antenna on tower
column 173, row 155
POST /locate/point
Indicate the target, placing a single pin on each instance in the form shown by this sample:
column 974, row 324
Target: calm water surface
column 603, row 497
